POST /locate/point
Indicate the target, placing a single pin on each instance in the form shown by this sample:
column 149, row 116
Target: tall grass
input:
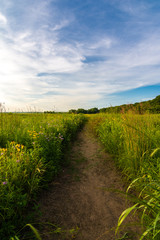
column 31, row 154
column 134, row 141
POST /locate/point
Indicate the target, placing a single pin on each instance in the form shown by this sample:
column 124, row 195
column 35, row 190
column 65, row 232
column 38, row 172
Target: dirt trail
column 79, row 198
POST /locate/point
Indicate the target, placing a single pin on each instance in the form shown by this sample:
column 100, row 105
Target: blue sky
column 63, row 54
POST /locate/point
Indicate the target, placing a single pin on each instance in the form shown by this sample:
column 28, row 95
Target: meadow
column 32, row 147
column 134, row 142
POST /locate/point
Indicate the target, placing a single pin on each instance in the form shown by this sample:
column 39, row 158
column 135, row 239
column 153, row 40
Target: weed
column 133, row 140
column 32, row 147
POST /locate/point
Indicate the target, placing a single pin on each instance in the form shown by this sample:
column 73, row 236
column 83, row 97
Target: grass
column 32, row 147
column 133, row 140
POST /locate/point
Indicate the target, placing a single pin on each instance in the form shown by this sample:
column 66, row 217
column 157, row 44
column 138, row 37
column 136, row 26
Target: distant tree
column 156, row 100
column 93, row 110
column 51, row 112
column 151, row 106
column 81, row 110
column 72, row 111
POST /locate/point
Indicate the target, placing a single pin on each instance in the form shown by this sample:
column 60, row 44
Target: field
column 32, row 148
column 134, row 141
column 31, row 154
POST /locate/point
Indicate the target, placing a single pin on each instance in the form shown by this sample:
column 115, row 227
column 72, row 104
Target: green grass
column 32, row 147
column 134, row 141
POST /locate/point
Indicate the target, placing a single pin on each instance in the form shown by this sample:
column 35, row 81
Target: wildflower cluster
column 4, row 183
column 10, row 157
column 33, row 134
column 60, row 136
column 17, row 147
column 3, row 151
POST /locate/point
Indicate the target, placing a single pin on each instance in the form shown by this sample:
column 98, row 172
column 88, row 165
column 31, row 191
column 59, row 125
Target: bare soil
column 78, row 204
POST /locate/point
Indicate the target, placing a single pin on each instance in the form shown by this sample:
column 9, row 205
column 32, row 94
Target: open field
column 32, row 148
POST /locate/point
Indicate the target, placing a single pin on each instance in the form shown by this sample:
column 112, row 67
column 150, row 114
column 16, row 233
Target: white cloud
column 135, row 8
column 105, row 42
column 3, row 19
column 40, row 68
column 145, row 53
column 81, row 84
column 25, row 54
column 66, row 102
column 61, row 25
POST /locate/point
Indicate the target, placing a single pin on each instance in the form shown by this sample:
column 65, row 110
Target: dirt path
column 78, row 202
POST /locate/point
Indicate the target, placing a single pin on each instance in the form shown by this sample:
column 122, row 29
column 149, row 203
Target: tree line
column 151, row 106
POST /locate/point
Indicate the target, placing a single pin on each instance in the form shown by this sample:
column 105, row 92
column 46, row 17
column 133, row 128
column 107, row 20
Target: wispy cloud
column 25, row 53
column 135, row 8
column 3, row 19
column 50, row 54
column 61, row 25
